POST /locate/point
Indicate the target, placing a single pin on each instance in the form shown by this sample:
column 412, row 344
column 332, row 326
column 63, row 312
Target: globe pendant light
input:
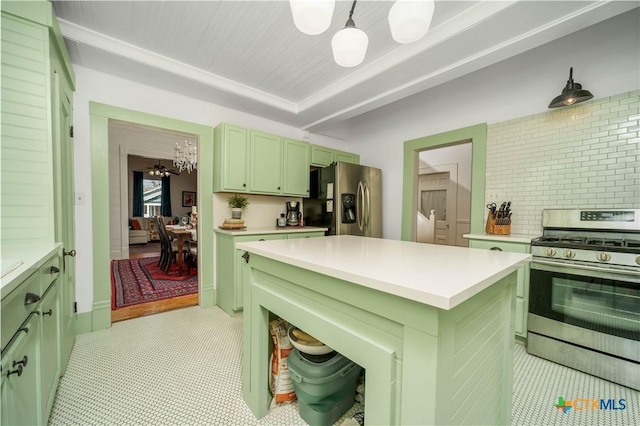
column 571, row 94
column 312, row 16
column 409, row 20
column 349, row 45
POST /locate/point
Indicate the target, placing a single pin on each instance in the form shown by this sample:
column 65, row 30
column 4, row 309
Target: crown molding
column 101, row 41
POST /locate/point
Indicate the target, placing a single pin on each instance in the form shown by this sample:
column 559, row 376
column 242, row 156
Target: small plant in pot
column 237, row 203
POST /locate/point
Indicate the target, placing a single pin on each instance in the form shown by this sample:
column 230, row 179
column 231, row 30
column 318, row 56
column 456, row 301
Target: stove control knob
column 603, row 257
column 570, row 254
column 551, row 252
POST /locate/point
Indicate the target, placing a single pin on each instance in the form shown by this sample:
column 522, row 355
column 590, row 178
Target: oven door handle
column 563, row 267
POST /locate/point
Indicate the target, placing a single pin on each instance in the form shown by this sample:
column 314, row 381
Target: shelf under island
column 432, row 325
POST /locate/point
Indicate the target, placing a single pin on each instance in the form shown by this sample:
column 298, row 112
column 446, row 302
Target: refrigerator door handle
column 359, row 206
column 368, row 206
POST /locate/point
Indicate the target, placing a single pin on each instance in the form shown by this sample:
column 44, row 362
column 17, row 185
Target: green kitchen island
column 432, row 325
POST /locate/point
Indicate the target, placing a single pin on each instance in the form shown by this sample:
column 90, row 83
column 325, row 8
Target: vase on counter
column 236, row 213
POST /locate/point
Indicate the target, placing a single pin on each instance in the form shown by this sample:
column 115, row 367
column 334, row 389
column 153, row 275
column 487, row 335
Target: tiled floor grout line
column 184, row 367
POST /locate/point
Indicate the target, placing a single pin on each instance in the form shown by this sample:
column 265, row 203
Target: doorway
column 101, row 116
column 444, row 187
column 140, row 285
column 477, row 137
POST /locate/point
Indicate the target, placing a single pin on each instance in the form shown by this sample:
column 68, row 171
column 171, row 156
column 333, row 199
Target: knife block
column 492, row 228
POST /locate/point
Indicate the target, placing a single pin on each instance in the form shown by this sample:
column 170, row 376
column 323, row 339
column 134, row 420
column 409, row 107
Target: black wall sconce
column 572, row 93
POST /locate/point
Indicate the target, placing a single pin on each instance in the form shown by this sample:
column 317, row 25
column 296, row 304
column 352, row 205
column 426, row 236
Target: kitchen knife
column 507, row 209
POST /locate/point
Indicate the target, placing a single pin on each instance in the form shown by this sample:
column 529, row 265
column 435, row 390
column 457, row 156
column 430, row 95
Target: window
column 151, row 189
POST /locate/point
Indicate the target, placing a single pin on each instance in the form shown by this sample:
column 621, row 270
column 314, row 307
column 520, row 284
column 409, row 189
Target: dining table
column 181, row 235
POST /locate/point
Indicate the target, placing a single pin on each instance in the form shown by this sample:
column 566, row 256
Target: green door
column 265, row 164
column 296, row 168
column 65, row 220
column 321, row 156
column 234, row 161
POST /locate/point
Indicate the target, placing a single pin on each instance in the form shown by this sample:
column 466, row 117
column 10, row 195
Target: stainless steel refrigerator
column 347, row 199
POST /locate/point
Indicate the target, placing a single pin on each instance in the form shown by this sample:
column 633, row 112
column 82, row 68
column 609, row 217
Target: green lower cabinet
column 522, row 287
column 229, row 262
column 49, row 348
column 228, row 266
column 20, row 378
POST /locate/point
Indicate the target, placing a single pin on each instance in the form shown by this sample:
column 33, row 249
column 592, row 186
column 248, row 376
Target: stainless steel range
column 584, row 293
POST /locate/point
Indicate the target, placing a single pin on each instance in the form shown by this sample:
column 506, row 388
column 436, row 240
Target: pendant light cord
column 353, row 6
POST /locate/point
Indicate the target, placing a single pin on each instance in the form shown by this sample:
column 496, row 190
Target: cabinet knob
column 278, row 188
column 71, row 253
column 244, row 185
column 23, row 361
column 49, row 312
column 245, row 256
column 261, row 239
column 18, row 370
column 496, row 248
column 30, row 299
column 54, row 270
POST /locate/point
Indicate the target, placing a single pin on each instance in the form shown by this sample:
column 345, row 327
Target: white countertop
column 436, row 275
column 31, row 256
column 512, row 238
column 270, row 230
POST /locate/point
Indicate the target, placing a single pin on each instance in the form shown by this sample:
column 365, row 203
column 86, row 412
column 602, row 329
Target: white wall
column 606, row 60
column 104, row 88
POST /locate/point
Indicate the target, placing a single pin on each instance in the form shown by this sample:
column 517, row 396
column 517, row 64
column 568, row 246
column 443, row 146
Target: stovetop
column 624, row 245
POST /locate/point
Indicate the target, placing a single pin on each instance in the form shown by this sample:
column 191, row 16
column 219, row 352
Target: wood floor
column 156, row 307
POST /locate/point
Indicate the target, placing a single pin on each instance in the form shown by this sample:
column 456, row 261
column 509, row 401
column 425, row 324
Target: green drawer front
column 264, row 237
column 504, row 246
column 48, row 272
column 14, row 311
column 305, row 235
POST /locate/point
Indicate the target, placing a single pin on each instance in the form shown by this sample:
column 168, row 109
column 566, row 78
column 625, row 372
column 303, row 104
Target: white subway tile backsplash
column 586, row 156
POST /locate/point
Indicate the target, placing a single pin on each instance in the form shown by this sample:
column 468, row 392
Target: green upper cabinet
column 231, row 148
column 295, row 174
column 265, row 164
column 255, row 162
column 346, row 157
column 321, row 156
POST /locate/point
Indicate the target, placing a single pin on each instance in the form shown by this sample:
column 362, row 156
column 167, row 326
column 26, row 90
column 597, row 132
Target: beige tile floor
column 184, row 367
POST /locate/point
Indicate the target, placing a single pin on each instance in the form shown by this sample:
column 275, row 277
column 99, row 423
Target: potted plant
column 237, row 203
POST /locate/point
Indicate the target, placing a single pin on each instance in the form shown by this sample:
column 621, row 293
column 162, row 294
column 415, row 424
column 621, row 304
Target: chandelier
column 409, row 21
column 186, row 157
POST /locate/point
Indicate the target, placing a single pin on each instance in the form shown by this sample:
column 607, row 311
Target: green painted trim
column 61, row 47
column 477, row 135
column 84, row 323
column 40, row 12
column 100, row 116
column 101, row 315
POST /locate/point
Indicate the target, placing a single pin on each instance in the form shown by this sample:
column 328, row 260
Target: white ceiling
column 248, row 55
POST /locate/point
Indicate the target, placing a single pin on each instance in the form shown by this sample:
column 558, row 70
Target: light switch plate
column 329, row 206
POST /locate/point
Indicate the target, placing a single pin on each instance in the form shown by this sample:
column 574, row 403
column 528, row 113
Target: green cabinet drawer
column 294, row 235
column 501, row 245
column 20, row 392
column 49, row 272
column 17, row 306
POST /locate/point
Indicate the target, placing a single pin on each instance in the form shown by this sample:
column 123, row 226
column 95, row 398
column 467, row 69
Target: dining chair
column 170, row 247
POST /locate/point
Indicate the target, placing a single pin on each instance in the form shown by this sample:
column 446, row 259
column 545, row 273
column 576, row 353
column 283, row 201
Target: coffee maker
column 293, row 211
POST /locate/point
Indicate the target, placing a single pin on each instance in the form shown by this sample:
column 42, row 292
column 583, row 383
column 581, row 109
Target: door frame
column 452, row 191
column 477, row 135
column 100, row 114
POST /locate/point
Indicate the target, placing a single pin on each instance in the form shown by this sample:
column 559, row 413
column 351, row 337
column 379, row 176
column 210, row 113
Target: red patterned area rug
column 136, row 281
